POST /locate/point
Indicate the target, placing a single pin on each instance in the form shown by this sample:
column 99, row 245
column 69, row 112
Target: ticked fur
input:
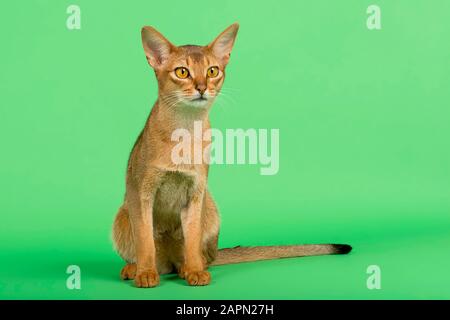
column 169, row 221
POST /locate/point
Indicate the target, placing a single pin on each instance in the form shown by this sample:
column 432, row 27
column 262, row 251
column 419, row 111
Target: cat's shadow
column 106, row 269
column 110, row 271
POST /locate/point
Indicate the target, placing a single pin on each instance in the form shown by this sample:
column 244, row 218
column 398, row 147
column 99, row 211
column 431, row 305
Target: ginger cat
column 169, row 221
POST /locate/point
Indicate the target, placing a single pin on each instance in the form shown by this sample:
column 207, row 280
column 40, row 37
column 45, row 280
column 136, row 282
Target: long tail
column 250, row 254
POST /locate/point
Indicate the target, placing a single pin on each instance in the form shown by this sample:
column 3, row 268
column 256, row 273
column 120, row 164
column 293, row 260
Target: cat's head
column 188, row 76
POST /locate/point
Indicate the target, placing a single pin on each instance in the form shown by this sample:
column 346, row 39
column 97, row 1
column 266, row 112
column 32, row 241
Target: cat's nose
column 201, row 88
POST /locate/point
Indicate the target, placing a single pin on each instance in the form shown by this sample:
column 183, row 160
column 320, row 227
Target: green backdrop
column 364, row 144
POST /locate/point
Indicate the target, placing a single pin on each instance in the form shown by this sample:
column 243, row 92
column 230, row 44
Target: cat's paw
column 146, row 279
column 128, row 272
column 198, row 278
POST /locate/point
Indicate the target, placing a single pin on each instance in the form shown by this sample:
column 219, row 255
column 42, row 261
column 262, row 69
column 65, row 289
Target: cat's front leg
column 141, row 218
column 194, row 266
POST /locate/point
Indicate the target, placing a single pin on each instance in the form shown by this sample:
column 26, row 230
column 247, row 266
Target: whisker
column 227, row 97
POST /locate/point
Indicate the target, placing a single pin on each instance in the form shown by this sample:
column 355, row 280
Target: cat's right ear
column 157, row 48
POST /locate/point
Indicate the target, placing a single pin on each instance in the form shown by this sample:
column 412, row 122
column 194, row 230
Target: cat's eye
column 182, row 73
column 213, row 72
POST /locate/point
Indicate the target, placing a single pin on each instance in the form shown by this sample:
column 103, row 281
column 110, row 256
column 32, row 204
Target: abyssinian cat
column 169, row 221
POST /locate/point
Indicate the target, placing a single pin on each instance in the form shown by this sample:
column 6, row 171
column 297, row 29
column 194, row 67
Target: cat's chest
column 174, row 193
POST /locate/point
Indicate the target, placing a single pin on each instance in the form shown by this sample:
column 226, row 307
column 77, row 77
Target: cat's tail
column 250, row 254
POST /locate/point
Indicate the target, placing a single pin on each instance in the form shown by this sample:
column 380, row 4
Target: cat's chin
column 198, row 103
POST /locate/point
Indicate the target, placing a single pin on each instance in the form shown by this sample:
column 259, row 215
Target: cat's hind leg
column 128, row 271
column 123, row 237
column 124, row 243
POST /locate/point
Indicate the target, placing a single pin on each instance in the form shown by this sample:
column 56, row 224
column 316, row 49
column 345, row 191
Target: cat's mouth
column 201, row 98
column 198, row 101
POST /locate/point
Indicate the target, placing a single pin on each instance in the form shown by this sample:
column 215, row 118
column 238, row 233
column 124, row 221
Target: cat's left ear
column 221, row 46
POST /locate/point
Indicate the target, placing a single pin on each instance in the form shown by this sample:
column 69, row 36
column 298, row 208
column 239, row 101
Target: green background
column 364, row 144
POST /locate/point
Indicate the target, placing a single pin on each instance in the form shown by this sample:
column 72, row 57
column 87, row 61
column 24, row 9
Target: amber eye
column 213, row 72
column 182, row 73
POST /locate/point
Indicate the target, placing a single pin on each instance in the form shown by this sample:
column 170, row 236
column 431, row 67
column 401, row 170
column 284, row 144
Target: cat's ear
column 221, row 46
column 156, row 47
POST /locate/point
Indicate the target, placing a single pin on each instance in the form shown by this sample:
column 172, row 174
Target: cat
column 169, row 221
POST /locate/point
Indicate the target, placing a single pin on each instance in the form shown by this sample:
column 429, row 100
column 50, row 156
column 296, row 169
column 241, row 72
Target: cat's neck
column 170, row 118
